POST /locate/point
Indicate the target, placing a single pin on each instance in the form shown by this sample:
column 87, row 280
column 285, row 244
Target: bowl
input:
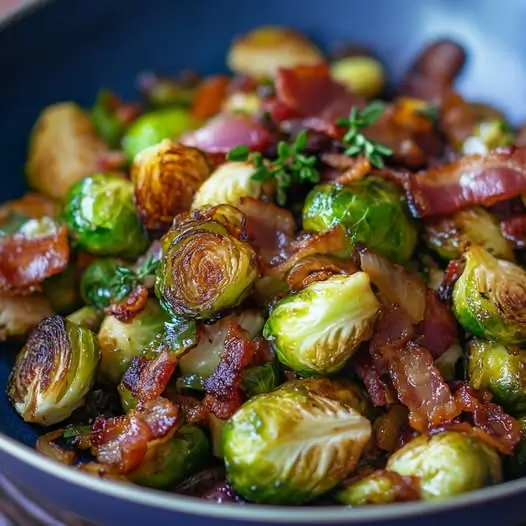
column 65, row 49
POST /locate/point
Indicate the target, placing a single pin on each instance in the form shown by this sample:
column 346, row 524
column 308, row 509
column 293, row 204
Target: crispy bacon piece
column 25, row 262
column 111, row 161
column 364, row 367
column 210, row 96
column 473, row 180
column 31, row 204
column 438, row 331
column 223, row 388
column 131, row 305
column 269, row 228
column 193, row 409
column 351, row 168
column 122, row 441
column 514, row 229
column 454, row 270
column 489, row 420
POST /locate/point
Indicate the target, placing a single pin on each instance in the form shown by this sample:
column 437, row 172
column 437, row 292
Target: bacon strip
column 368, row 373
column 25, row 262
column 473, row 180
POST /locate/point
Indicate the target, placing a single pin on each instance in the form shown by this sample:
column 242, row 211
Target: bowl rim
column 253, row 512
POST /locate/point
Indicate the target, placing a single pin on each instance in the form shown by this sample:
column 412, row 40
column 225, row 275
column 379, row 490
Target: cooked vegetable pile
column 294, row 284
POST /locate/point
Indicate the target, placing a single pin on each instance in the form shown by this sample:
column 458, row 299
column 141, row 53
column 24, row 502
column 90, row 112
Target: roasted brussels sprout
column 62, row 290
column 20, row 314
column 361, row 74
column 204, row 270
column 489, row 298
column 487, row 136
column 203, row 359
column 121, row 342
column 260, row 379
column 88, row 317
column 378, row 487
column 500, row 370
column 100, row 214
column 295, row 443
column 448, row 464
column 316, row 330
column 170, row 461
column 63, row 149
column 54, row 371
column 262, row 51
column 96, row 284
column 371, row 211
column 166, row 177
column 516, row 465
column 228, row 184
column 449, row 236
column 152, row 127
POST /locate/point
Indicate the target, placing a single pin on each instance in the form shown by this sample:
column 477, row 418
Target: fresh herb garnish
column 290, row 166
column 126, row 278
column 355, row 142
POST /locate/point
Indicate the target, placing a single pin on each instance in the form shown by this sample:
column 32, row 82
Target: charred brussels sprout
column 448, row 464
column 121, row 342
column 228, row 184
column 516, row 465
column 100, row 214
column 371, row 211
column 317, row 329
column 295, row 443
column 170, row 461
column 166, row 177
column 204, row 270
column 63, row 149
column 500, row 370
column 489, row 298
column 449, row 236
column 96, row 285
column 54, row 371
column 152, row 127
column 203, row 359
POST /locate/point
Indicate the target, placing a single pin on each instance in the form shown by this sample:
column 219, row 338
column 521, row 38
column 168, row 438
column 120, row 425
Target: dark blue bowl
column 68, row 50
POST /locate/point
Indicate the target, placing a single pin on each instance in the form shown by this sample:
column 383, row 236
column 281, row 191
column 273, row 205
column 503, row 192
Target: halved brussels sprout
column 88, row 317
column 228, row 184
column 316, row 330
column 54, row 371
column 516, row 465
column 100, row 214
column 166, row 177
column 152, row 127
column 361, row 74
column 449, row 236
column 20, row 314
column 204, row 270
column 500, row 370
column 63, row 149
column 489, row 298
column 448, row 464
column 62, row 290
column 293, row 444
column 121, row 342
column 262, row 51
column 203, row 359
column 96, row 285
column 371, row 211
column 170, row 461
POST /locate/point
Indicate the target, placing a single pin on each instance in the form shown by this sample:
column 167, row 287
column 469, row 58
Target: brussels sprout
column 487, row 136
column 228, row 184
column 170, row 461
column 96, row 285
column 449, row 236
column 448, row 464
column 217, row 427
column 489, row 298
column 362, row 75
column 316, row 330
column 203, row 359
column 62, row 290
column 106, row 120
column 500, row 370
column 63, row 149
column 260, row 379
column 121, row 342
column 100, row 214
column 262, row 51
column 152, row 127
column 371, row 211
column 379, row 487
column 20, row 314
column 295, row 443
column 204, row 270
column 88, row 317
column 516, row 464
column 248, row 103
column 54, row 371
column 166, row 177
